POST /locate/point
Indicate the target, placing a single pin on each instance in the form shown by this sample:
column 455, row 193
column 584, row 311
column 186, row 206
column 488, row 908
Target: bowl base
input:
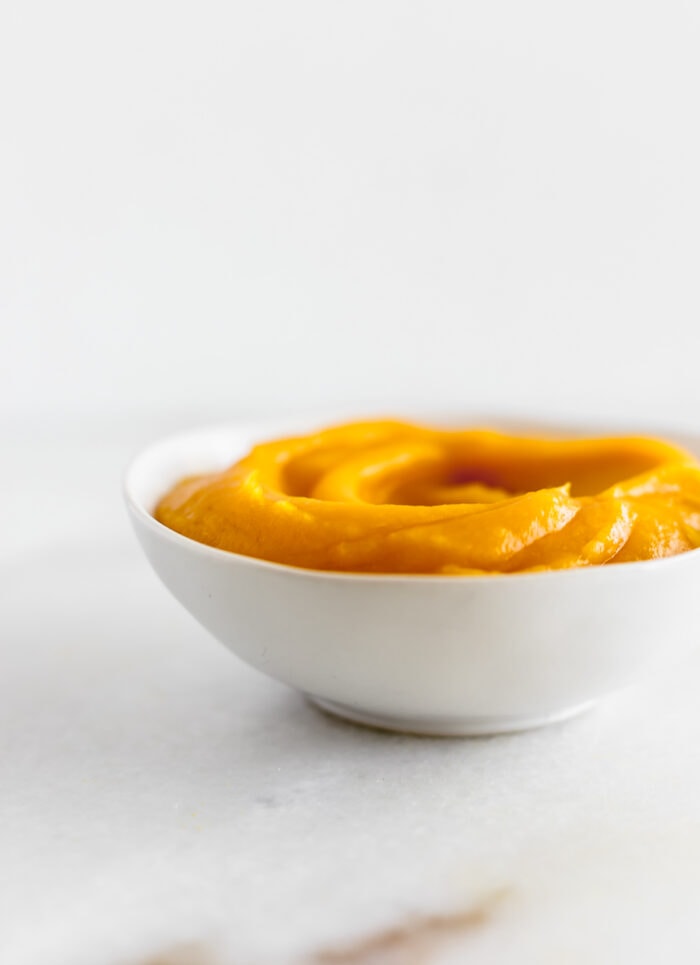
column 447, row 726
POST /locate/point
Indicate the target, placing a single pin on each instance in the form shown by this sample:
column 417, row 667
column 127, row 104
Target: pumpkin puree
column 390, row 497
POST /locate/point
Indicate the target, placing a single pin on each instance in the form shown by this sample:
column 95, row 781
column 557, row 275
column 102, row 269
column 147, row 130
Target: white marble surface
column 161, row 803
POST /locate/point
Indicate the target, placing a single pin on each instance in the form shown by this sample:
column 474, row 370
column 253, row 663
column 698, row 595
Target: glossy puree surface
column 392, row 497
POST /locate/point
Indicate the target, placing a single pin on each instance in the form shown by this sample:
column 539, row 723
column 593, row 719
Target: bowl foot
column 447, row 726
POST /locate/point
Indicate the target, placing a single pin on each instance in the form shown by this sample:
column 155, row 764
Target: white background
column 224, row 209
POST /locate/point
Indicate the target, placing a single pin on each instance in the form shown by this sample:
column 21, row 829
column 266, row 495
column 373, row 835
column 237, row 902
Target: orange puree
column 388, row 497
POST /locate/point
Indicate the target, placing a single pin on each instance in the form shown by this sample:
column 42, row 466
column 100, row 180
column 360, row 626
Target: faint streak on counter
column 188, row 954
column 416, row 941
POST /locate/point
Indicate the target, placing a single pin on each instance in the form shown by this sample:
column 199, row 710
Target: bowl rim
column 269, row 429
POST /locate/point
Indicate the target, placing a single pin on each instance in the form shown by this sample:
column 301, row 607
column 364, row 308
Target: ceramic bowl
column 423, row 654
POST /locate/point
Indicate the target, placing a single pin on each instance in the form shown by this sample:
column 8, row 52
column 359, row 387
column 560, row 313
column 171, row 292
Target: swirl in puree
column 390, row 497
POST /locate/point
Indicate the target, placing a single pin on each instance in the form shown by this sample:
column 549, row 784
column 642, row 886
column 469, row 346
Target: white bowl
column 423, row 654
